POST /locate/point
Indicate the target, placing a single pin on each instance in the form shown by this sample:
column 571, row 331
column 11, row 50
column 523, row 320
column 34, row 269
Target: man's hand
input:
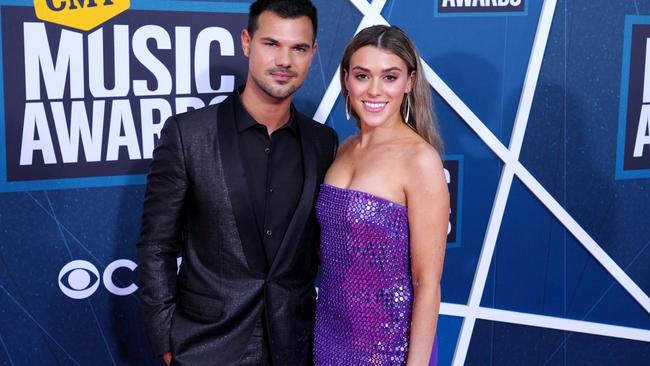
column 167, row 357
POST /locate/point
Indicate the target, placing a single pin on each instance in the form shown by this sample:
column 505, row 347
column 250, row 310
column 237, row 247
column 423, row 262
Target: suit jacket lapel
column 305, row 204
column 235, row 177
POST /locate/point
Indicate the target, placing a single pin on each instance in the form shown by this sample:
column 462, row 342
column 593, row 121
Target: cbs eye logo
column 79, row 279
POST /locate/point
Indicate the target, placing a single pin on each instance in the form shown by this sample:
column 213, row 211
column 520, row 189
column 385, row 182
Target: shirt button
column 267, row 150
column 271, row 190
column 269, row 232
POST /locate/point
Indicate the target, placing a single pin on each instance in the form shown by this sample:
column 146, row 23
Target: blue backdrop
column 541, row 105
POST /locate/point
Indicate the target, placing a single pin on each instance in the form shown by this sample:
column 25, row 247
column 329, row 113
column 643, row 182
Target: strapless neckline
column 366, row 194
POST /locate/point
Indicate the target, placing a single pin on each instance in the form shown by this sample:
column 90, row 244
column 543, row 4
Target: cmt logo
column 79, row 14
column 79, row 279
column 633, row 154
column 480, row 7
column 87, row 108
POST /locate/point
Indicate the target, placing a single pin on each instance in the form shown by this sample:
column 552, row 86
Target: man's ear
column 246, row 42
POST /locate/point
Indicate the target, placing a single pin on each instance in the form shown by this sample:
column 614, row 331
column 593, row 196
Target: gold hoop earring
column 347, row 106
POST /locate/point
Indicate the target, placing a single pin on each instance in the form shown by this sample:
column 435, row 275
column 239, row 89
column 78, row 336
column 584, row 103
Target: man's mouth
column 282, row 75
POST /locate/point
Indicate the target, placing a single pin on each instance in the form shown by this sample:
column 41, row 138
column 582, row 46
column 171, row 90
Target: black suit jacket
column 197, row 204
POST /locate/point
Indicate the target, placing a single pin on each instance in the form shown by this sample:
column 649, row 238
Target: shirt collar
column 245, row 121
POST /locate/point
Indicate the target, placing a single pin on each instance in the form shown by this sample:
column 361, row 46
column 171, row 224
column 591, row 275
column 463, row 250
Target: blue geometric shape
column 481, row 169
column 538, row 267
column 448, row 330
column 483, row 60
column 496, row 343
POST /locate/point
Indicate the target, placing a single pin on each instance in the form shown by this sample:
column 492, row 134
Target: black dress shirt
column 274, row 171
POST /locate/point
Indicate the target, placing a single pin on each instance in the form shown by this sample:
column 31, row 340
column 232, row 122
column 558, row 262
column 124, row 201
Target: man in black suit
column 232, row 189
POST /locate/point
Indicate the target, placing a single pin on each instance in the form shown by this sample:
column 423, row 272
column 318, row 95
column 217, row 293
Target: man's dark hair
column 287, row 9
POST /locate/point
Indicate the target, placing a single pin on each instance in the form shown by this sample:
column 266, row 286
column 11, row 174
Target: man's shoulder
column 207, row 113
column 202, row 120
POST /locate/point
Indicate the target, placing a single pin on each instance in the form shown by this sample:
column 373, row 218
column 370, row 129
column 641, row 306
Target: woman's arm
column 428, row 212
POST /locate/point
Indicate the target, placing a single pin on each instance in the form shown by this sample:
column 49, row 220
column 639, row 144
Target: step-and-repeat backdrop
column 544, row 106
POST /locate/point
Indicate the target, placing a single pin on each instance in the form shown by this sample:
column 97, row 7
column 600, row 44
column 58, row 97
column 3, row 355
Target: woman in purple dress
column 383, row 211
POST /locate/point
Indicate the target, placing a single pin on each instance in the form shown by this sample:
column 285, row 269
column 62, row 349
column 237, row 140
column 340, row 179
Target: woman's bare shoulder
column 423, row 163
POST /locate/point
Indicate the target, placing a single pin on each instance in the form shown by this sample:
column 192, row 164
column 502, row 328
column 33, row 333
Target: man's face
column 279, row 54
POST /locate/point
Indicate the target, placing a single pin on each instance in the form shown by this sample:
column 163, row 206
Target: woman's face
column 376, row 83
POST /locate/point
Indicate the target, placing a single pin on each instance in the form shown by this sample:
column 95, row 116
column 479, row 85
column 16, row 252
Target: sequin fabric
column 365, row 295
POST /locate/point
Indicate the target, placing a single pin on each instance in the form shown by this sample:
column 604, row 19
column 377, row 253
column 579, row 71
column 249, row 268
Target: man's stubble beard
column 277, row 92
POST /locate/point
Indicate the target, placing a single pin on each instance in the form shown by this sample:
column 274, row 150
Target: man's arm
column 160, row 234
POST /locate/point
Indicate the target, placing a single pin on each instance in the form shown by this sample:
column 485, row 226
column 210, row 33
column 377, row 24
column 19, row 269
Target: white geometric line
column 365, row 8
column 570, row 325
column 329, row 98
column 546, row 199
column 548, row 322
column 36, row 322
column 465, row 113
column 4, row 347
column 532, row 75
column 583, row 237
column 494, row 144
column 483, row 266
column 371, row 16
column 507, row 175
column 451, row 309
column 92, row 308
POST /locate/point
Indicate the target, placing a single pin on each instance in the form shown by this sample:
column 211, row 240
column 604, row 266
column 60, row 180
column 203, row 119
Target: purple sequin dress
column 365, row 297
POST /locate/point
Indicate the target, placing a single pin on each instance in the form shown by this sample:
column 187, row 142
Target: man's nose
column 283, row 57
